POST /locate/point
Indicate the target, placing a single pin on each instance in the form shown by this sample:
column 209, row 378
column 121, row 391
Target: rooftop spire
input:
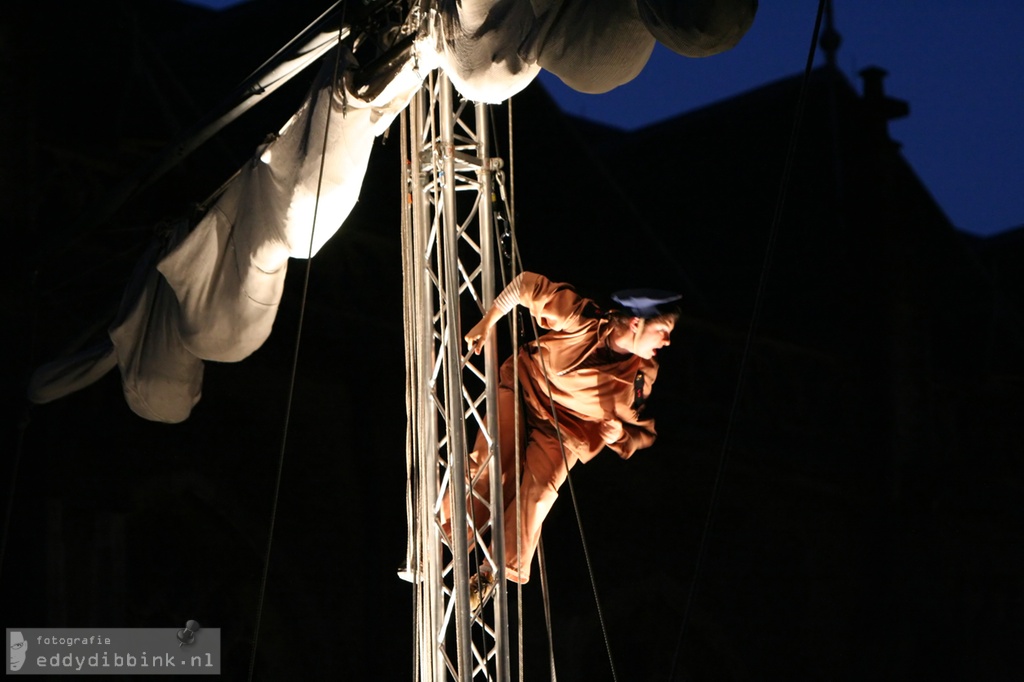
column 830, row 38
column 879, row 107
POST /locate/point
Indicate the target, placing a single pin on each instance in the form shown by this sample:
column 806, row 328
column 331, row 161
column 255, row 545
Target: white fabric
column 480, row 47
column 492, row 49
column 698, row 28
column 162, row 381
column 229, row 274
column 593, row 46
column 64, row 376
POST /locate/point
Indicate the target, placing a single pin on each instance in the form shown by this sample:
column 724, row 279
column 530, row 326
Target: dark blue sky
column 958, row 63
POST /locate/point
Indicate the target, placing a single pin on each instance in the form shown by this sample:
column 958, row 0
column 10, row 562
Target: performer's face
column 650, row 337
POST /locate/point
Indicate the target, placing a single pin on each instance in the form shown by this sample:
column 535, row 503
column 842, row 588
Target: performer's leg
column 544, row 471
column 478, row 470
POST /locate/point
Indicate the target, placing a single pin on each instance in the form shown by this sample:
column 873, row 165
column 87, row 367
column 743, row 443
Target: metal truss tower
column 449, row 264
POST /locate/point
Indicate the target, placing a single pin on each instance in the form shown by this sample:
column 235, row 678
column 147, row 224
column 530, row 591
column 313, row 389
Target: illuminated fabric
column 228, row 274
column 698, row 28
column 162, row 381
column 492, row 49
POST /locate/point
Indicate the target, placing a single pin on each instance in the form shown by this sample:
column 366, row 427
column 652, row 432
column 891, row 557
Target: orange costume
column 588, row 383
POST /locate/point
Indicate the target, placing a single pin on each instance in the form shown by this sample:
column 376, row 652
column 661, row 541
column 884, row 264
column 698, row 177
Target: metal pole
column 451, row 330
column 486, row 219
column 453, row 264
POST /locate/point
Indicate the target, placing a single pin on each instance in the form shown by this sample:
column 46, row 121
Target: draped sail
column 213, row 294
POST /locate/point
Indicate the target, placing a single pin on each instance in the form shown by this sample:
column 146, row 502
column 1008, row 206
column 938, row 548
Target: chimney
column 879, row 108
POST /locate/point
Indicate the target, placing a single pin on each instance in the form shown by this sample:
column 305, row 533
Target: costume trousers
column 543, row 470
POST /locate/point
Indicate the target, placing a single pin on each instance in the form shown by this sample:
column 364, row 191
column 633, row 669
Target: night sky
column 958, row 63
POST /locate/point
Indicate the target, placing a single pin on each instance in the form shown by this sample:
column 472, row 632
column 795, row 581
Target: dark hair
column 620, row 318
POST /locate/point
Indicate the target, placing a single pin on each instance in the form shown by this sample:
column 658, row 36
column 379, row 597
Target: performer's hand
column 477, row 336
column 611, row 430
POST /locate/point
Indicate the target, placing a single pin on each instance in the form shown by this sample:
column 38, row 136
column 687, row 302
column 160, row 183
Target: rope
column 576, row 509
column 145, row 176
column 516, row 257
column 751, row 329
column 518, row 449
column 407, row 314
column 413, row 498
column 568, row 480
column 295, row 361
column 515, row 268
column 19, row 449
column 23, row 423
column 547, row 605
column 596, row 163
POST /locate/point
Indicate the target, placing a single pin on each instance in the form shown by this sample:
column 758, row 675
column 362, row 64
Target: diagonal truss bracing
column 448, row 245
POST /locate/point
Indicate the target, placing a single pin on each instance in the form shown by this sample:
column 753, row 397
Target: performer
column 586, row 379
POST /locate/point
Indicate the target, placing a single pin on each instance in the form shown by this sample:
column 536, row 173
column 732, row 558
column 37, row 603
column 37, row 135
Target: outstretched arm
column 506, row 301
column 554, row 305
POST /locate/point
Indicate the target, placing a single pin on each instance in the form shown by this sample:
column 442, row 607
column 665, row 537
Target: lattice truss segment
column 448, row 249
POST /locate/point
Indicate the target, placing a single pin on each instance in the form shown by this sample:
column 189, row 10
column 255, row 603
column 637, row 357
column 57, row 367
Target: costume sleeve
column 509, row 296
column 555, row 305
column 634, row 437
